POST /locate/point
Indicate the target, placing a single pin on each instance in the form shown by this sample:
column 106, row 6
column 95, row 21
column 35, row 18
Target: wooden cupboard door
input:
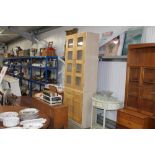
column 147, row 99
column 78, row 98
column 132, row 96
column 68, row 100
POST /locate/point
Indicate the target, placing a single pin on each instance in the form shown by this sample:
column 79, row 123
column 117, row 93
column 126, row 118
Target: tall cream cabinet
column 81, row 65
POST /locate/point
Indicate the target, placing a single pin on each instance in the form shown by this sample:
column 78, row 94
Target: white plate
column 33, row 125
column 29, row 110
column 17, row 127
column 8, row 114
column 39, row 120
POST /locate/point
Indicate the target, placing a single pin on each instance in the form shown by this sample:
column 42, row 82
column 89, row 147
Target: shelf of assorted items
column 30, row 69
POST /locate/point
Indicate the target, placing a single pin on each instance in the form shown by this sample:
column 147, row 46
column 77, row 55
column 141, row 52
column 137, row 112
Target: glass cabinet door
column 79, row 61
column 74, row 60
column 69, row 60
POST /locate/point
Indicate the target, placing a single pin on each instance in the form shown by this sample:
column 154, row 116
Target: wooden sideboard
column 58, row 114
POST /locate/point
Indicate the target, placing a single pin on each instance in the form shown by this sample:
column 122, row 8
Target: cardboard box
column 44, row 52
column 21, row 54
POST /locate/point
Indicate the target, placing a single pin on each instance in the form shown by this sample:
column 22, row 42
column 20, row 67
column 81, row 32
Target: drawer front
column 130, row 121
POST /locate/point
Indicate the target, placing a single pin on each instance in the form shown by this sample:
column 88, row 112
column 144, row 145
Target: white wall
column 111, row 75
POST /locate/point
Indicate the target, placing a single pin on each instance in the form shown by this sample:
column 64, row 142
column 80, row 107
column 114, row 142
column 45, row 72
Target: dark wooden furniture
column 139, row 110
column 17, row 108
column 58, row 114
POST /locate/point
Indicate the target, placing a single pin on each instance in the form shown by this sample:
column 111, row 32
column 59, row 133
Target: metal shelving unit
column 32, row 69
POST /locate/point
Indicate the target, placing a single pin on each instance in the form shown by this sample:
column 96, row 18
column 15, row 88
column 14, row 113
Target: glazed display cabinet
column 81, row 64
column 139, row 111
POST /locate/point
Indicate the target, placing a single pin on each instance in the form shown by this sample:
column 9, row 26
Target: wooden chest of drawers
column 130, row 119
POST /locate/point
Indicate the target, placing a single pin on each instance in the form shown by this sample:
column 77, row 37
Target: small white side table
column 104, row 105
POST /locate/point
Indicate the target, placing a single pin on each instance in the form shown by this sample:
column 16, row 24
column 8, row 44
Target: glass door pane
column 70, row 55
column 78, row 81
column 79, row 68
column 149, row 75
column 69, row 67
column 134, row 75
column 68, row 79
column 79, row 55
column 70, row 43
column 80, row 41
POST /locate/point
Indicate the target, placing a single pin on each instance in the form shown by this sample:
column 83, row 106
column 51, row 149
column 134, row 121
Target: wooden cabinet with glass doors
column 139, row 111
column 81, row 63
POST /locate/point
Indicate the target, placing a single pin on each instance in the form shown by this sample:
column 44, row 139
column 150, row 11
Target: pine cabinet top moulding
column 145, row 45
